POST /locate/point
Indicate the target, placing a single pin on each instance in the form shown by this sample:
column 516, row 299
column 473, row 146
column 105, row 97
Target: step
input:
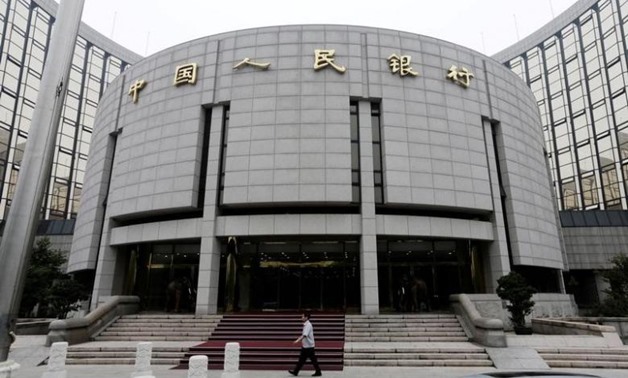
column 585, row 357
column 452, row 362
column 119, row 361
column 587, row 364
column 149, row 338
column 122, row 354
column 417, row 356
column 407, row 339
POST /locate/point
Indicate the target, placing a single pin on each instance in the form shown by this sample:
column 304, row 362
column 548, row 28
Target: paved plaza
column 30, row 351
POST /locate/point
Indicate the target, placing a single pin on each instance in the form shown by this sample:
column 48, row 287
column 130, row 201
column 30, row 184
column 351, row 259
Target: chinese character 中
column 325, row 58
column 401, row 64
column 135, row 89
column 185, row 74
column 248, row 61
column 460, row 76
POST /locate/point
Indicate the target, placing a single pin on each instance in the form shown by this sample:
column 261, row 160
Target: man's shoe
column 293, row 372
column 317, row 374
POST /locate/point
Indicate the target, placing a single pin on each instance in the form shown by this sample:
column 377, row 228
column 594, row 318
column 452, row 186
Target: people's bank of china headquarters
column 317, row 166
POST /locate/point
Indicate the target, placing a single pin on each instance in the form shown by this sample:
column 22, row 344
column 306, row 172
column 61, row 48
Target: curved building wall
column 25, row 28
column 298, row 150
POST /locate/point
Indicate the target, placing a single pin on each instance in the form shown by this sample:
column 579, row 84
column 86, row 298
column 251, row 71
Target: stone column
column 369, row 288
column 8, row 369
column 56, row 361
column 143, row 355
column 209, row 262
column 197, row 367
column 24, row 215
column 232, row 361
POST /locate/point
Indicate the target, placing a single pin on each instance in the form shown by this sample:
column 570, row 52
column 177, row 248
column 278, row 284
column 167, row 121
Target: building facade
column 315, row 167
column 577, row 68
column 25, row 28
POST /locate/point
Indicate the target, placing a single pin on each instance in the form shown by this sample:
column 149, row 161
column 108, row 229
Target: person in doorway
column 307, row 347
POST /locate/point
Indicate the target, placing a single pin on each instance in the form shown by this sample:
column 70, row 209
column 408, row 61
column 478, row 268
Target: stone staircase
column 410, row 340
column 593, row 358
column 404, row 328
column 171, row 336
column 144, row 327
column 122, row 355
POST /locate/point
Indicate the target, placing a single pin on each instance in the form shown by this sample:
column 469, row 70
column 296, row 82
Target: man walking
column 307, row 347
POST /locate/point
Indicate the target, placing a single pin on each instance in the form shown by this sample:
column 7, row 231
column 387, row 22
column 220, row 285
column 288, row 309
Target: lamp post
column 19, row 232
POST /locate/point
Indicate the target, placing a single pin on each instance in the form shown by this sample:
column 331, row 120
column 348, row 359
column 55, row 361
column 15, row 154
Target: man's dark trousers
column 305, row 354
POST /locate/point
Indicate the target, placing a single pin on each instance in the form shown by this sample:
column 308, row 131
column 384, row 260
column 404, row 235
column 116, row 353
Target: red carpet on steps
column 266, row 341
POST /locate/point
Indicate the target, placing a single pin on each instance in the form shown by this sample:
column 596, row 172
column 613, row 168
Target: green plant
column 515, row 289
column 44, row 268
column 46, row 284
column 64, row 296
column 616, row 302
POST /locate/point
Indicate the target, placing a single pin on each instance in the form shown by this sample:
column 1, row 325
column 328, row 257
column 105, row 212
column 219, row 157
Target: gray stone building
column 319, row 167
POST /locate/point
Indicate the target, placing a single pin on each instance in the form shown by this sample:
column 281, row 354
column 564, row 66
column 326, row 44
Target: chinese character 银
column 401, row 64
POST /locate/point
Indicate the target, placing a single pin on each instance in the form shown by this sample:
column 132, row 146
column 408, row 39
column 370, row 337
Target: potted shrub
column 515, row 289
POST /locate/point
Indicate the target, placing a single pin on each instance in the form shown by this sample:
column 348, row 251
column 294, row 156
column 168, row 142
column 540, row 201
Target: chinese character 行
column 135, row 89
column 460, row 76
column 325, row 58
column 248, row 61
column 401, row 64
column 185, row 74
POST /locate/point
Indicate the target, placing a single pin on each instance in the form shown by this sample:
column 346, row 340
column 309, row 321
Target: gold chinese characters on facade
column 135, row 89
column 461, row 76
column 249, row 62
column 324, row 58
column 185, row 74
column 401, row 65
column 398, row 64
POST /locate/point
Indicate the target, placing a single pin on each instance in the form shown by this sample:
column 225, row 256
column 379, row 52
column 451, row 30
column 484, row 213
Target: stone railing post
column 56, row 361
column 197, row 367
column 232, row 361
column 143, row 355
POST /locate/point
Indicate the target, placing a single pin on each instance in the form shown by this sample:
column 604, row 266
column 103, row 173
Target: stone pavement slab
column 517, row 358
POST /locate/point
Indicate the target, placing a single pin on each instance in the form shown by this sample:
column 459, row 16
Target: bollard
column 197, row 367
column 232, row 361
column 56, row 361
column 8, row 369
column 143, row 355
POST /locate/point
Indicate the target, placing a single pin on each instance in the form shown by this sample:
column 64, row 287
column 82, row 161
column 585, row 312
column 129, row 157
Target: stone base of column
column 8, row 369
column 230, row 374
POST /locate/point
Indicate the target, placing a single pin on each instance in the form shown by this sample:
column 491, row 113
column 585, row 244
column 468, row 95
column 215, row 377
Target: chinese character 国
column 461, row 76
column 401, row 64
column 325, row 58
column 185, row 74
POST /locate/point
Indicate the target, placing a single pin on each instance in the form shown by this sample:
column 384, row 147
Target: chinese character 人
column 401, row 64
column 248, row 61
column 325, row 58
column 185, row 74
column 135, row 89
column 461, row 76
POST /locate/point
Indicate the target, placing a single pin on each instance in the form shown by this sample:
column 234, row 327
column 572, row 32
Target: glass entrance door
column 164, row 275
column 293, row 275
column 419, row 275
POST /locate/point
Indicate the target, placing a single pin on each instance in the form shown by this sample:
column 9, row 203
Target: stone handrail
column 79, row 330
column 485, row 331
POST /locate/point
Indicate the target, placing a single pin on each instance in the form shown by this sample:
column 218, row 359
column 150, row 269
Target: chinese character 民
column 401, row 64
column 136, row 88
column 185, row 74
column 248, row 61
column 325, row 58
column 460, row 76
